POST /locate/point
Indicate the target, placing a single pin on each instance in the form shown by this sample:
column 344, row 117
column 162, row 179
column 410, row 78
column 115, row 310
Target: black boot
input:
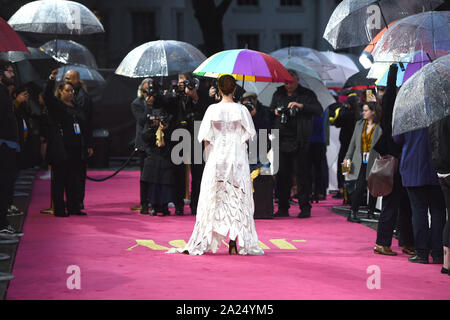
column 371, row 215
column 353, row 217
column 144, row 208
column 165, row 210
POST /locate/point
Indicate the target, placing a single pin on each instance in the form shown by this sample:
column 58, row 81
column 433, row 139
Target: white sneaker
column 9, row 231
column 46, row 176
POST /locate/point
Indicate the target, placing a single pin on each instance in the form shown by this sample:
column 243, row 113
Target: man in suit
column 83, row 100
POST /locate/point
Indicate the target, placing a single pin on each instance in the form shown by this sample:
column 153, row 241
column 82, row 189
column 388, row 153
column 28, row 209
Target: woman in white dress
column 225, row 206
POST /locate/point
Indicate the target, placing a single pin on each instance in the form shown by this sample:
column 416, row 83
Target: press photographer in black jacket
column 188, row 103
column 157, row 177
column 68, row 142
column 294, row 108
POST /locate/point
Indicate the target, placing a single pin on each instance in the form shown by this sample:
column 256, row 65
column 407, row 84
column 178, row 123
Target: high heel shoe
column 232, row 248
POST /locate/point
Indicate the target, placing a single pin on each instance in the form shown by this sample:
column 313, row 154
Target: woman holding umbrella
column 226, row 200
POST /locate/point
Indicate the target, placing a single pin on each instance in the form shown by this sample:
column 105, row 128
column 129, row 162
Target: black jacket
column 158, row 167
column 137, row 108
column 346, row 121
column 440, row 144
column 300, row 130
column 84, row 101
column 8, row 122
column 185, row 111
column 386, row 144
column 63, row 142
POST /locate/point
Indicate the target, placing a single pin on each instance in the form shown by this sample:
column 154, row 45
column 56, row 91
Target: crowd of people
column 365, row 122
column 41, row 128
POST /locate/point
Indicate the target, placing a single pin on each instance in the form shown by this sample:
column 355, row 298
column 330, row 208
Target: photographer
column 262, row 119
column 157, row 177
column 294, row 107
column 138, row 107
column 9, row 146
column 67, row 148
column 188, row 104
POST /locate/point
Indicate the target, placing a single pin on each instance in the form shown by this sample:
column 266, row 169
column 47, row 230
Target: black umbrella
column 359, row 79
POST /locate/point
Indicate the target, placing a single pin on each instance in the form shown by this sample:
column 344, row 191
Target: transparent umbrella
column 160, row 58
column 86, row 73
column 424, row 98
column 69, row 52
column 345, row 68
column 356, row 22
column 37, row 63
column 427, row 32
column 55, row 17
column 16, row 56
column 306, row 57
column 266, row 90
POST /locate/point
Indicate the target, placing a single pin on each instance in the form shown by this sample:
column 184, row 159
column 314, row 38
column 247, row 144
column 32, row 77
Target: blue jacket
column 319, row 134
column 416, row 164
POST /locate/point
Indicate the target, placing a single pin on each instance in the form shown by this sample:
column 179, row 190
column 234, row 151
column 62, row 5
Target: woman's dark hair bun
column 227, row 84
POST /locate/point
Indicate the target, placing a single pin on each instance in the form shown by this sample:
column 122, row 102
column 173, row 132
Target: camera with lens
column 191, row 84
column 152, row 90
column 162, row 119
column 285, row 113
column 249, row 105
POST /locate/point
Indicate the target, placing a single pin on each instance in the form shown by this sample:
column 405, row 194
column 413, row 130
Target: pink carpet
column 324, row 257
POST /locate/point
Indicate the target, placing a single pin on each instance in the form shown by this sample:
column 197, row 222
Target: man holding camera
column 157, row 176
column 188, row 105
column 294, row 108
column 261, row 115
column 9, row 146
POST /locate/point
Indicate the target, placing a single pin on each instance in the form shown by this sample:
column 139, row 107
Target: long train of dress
column 225, row 206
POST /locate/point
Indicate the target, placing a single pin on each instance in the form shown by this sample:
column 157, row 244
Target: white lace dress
column 225, row 206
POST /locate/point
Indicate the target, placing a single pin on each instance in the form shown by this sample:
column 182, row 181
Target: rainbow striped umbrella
column 244, row 64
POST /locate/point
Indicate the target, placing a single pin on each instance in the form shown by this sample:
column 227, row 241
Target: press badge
column 365, row 157
column 76, row 128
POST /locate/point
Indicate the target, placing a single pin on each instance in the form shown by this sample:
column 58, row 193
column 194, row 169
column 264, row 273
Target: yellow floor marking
column 283, row 244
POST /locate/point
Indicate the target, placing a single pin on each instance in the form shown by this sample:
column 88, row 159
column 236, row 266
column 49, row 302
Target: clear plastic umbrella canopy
column 55, row 17
column 424, row 98
column 266, row 90
column 306, row 57
column 345, row 68
column 356, row 22
column 160, row 58
column 16, row 56
column 69, row 52
column 427, row 32
column 86, row 73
